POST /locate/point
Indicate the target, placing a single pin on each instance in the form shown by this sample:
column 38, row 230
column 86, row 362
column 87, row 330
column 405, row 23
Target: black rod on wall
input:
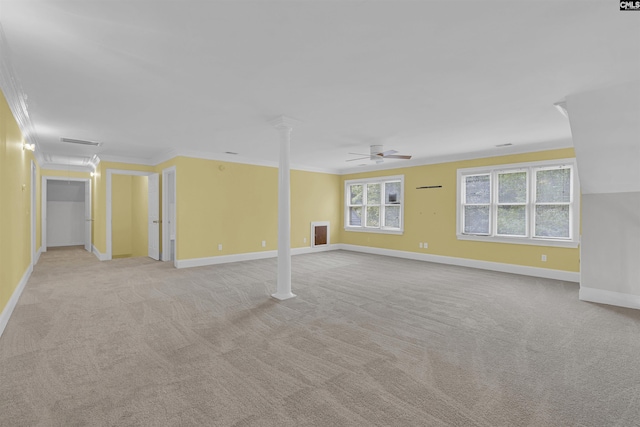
column 429, row 186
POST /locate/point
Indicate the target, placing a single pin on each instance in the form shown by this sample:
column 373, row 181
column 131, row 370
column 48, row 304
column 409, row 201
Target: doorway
column 66, row 212
column 133, row 223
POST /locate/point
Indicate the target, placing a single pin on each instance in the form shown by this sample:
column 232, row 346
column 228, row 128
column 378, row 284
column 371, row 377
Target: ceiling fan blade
column 386, row 153
column 359, row 158
column 397, row 157
column 360, row 154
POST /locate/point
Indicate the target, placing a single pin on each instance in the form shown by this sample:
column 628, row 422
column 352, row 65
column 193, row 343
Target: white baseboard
column 249, row 256
column 100, row 256
column 609, row 297
column 8, row 309
column 567, row 276
column 38, row 253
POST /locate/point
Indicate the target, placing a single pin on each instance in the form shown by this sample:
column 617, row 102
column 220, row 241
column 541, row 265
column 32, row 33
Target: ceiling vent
column 81, row 142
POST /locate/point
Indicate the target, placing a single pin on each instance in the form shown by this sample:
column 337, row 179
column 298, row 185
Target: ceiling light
column 27, row 146
column 562, row 107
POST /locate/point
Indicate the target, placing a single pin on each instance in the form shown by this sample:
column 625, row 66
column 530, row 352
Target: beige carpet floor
column 369, row 341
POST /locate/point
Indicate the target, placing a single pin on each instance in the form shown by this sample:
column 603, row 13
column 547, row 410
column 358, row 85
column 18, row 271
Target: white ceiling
column 427, row 78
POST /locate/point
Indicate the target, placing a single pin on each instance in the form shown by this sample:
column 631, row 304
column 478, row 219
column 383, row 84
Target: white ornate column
column 283, row 290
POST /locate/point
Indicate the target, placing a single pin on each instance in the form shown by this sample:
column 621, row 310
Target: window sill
column 373, row 230
column 521, row 241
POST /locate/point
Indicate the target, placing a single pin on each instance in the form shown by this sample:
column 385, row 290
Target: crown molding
column 72, row 168
column 129, row 160
column 472, row 155
column 14, row 94
column 232, row 158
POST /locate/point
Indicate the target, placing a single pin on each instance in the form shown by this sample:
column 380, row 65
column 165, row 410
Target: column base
column 283, row 296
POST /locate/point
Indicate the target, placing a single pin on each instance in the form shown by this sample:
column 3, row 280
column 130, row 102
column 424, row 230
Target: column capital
column 284, row 122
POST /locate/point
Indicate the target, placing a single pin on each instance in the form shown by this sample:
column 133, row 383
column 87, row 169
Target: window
column 531, row 203
column 374, row 205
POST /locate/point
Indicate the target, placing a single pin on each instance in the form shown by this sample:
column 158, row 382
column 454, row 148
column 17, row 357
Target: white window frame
column 529, row 239
column 378, row 180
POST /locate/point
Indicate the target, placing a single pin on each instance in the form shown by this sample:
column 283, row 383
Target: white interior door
column 87, row 215
column 154, row 216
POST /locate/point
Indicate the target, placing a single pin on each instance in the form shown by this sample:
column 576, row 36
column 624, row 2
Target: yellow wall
column 129, row 213
column 430, row 216
column 314, row 197
column 236, row 205
column 139, row 215
column 121, row 218
column 15, row 205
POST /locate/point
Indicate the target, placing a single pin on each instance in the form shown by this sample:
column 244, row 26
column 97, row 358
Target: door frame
column 110, row 173
column 43, row 205
column 166, row 242
column 34, row 201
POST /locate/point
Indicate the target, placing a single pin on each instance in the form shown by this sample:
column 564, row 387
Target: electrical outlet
column 420, row 244
column 304, row 240
column 220, row 246
column 264, row 243
column 425, row 245
column 544, row 258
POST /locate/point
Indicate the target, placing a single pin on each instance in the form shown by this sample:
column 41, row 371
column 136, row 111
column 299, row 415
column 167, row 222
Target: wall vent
column 81, row 142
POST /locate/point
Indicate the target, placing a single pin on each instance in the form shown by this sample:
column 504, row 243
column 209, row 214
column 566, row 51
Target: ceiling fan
column 377, row 153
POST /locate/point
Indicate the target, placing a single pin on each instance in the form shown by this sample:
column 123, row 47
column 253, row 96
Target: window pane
column 512, row 220
column 392, row 216
column 373, row 216
column 373, row 194
column 392, row 192
column 552, row 221
column 553, row 186
column 355, row 216
column 477, row 189
column 512, row 187
column 355, row 194
column 476, row 219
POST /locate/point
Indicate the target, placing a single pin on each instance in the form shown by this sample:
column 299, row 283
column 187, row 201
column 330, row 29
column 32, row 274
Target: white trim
column 166, row 242
column 567, row 276
column 601, row 296
column 66, row 168
column 249, row 256
column 128, row 160
column 33, row 213
column 13, row 301
column 473, row 155
column 38, row 253
column 157, row 159
column 382, row 180
column 531, row 168
column 98, row 254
